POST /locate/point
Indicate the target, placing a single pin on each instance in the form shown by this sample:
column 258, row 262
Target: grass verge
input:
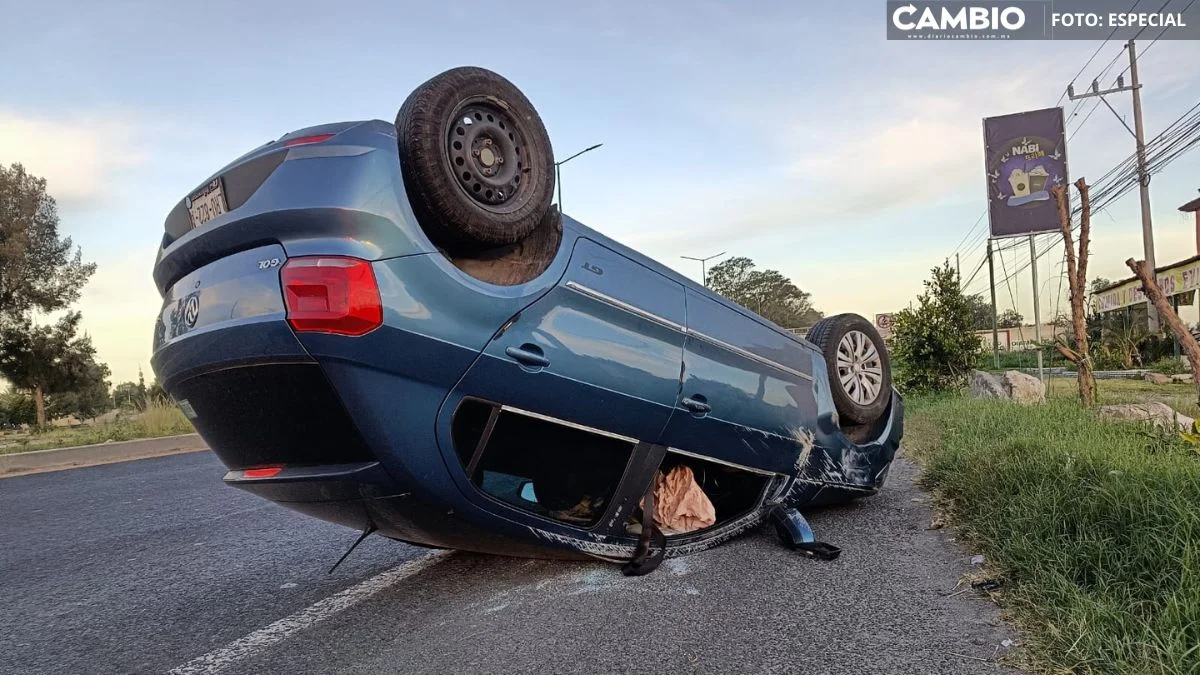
column 1095, row 526
column 1181, row 397
column 157, row 420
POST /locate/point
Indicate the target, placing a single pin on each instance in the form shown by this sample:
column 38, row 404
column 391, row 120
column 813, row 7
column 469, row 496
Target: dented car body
column 449, row 411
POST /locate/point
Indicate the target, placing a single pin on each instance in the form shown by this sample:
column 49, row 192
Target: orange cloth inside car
column 679, row 503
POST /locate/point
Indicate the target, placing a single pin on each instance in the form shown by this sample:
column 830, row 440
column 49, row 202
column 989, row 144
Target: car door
column 747, row 394
column 603, row 349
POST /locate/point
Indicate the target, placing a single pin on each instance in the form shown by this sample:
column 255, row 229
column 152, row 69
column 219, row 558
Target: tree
column 48, row 360
column 17, row 408
column 155, row 392
column 1080, row 355
column 89, row 402
column 767, row 292
column 1187, row 341
column 1010, row 318
column 1097, row 285
column 932, row 345
column 37, row 269
column 981, row 312
column 39, row 272
column 128, row 395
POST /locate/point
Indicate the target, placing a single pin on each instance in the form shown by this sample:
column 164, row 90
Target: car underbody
column 526, row 396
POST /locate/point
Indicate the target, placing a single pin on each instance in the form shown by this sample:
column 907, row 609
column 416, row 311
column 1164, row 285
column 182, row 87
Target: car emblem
column 187, row 202
column 191, row 310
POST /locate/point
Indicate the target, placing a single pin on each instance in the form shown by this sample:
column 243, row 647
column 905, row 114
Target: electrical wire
column 1093, row 56
column 1161, row 33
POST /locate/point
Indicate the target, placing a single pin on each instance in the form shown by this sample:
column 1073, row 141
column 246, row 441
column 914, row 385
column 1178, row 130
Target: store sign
column 1173, row 281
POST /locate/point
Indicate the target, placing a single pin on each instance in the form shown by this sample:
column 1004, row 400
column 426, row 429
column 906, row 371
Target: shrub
column 1170, row 365
column 932, row 346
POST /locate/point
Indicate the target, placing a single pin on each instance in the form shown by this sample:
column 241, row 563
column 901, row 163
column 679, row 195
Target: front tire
column 856, row 358
column 476, row 160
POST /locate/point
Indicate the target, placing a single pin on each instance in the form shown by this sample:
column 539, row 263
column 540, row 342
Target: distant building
column 1021, row 338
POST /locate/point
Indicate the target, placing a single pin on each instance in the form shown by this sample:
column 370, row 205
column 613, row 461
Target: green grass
column 157, row 420
column 1181, row 397
column 1094, row 525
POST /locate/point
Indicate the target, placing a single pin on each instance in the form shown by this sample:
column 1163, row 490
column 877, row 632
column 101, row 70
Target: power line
column 968, row 234
column 1162, row 33
column 1012, row 296
column 1093, row 56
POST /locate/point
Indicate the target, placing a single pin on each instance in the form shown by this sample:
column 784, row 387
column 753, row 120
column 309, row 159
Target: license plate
column 207, row 203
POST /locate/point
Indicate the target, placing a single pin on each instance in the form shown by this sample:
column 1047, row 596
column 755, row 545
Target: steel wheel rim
column 488, row 155
column 859, row 367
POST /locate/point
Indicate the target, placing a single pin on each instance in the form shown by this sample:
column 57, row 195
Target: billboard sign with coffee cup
column 1026, row 156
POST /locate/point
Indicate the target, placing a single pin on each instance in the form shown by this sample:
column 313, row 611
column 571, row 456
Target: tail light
column 307, row 140
column 331, row 295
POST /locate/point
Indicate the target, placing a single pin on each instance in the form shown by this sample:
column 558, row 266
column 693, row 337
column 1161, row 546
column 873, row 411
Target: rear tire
column 476, row 160
column 856, row 358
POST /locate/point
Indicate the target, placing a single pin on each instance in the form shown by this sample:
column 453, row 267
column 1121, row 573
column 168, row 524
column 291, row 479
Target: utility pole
column 1135, row 86
column 995, row 327
column 704, row 271
column 1037, row 314
column 1143, row 182
column 957, row 269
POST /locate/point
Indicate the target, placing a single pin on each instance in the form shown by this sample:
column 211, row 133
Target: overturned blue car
column 392, row 327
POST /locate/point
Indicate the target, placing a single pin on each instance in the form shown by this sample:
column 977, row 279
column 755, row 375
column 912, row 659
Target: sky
column 790, row 133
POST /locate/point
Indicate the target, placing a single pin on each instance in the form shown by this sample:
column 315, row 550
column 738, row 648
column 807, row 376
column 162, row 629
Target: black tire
column 476, row 160
column 853, row 403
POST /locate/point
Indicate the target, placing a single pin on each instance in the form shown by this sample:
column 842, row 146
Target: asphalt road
column 153, row 565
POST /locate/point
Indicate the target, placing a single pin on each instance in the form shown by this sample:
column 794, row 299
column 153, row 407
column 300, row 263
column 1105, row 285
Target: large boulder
column 1155, row 413
column 1157, row 378
column 987, row 385
column 1012, row 386
column 1024, row 388
column 1185, row 378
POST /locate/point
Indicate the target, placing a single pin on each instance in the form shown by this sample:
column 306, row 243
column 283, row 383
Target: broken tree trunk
column 1081, row 356
column 1186, row 340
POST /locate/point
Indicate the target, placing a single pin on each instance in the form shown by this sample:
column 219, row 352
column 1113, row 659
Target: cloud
column 119, row 306
column 79, row 156
column 824, row 166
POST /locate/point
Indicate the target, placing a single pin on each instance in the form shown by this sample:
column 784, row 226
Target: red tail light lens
column 264, row 472
column 306, row 140
column 331, row 295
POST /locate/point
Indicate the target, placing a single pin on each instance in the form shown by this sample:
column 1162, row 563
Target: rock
column 986, row 385
column 1024, row 388
column 1158, row 414
column 1185, row 378
column 1157, row 378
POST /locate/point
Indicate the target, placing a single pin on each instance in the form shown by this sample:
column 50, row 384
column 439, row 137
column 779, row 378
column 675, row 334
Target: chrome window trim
column 749, row 355
column 565, row 423
column 706, row 458
column 620, row 304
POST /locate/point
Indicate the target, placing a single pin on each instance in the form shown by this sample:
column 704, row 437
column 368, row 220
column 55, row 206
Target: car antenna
column 370, row 528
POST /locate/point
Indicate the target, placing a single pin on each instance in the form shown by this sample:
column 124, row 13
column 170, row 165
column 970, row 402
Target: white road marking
column 219, row 659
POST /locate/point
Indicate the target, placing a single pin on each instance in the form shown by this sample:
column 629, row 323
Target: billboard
column 1026, row 155
column 1177, row 279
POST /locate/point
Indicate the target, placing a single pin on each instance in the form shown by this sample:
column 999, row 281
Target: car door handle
column 529, row 355
column 697, row 404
